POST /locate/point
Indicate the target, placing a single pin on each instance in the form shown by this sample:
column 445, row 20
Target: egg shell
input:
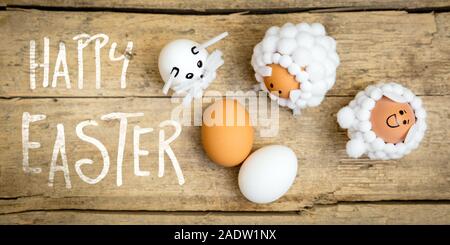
column 178, row 54
column 268, row 173
column 226, row 133
column 391, row 120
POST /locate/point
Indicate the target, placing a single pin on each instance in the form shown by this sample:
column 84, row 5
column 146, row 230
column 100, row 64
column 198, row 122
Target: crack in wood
column 246, row 11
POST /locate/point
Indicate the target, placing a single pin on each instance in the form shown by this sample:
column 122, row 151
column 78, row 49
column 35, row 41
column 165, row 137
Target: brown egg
column 281, row 82
column 227, row 134
column 391, row 120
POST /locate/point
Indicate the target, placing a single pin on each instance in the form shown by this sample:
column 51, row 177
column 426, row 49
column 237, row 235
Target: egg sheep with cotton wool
column 296, row 64
column 385, row 121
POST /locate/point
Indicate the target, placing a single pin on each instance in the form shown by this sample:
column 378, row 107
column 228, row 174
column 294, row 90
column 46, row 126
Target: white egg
column 268, row 173
column 183, row 59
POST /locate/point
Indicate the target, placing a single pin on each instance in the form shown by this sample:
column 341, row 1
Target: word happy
column 61, row 69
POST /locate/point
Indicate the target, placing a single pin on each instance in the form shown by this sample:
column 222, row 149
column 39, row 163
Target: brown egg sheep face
column 280, row 82
column 391, row 120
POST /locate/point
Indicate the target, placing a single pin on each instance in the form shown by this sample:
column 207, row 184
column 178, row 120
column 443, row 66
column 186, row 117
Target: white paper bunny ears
column 187, row 68
column 378, row 117
column 308, row 55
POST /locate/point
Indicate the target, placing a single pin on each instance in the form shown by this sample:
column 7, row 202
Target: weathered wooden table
column 403, row 41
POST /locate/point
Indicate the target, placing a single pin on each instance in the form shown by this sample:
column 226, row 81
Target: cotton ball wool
column 385, row 121
column 309, row 60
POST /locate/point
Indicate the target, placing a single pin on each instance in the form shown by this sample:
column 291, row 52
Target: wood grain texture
column 227, row 5
column 325, row 176
column 413, row 49
column 380, row 214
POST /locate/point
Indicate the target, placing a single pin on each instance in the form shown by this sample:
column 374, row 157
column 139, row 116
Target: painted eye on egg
column 401, row 112
column 199, row 64
column 271, row 85
column 194, row 50
column 189, row 75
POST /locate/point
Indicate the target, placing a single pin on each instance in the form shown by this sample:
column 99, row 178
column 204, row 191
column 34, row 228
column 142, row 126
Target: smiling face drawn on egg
column 392, row 120
column 280, row 82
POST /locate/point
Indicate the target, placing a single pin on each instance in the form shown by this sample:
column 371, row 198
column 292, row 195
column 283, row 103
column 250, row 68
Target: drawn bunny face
column 183, row 59
column 187, row 68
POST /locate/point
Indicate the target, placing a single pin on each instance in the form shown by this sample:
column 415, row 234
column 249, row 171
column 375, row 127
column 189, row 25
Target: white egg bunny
column 187, row 68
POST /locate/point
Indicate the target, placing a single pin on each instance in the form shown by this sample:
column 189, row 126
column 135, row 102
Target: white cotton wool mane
column 294, row 47
column 356, row 118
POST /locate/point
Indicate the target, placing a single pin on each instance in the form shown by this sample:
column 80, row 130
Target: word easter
column 59, row 148
column 61, row 69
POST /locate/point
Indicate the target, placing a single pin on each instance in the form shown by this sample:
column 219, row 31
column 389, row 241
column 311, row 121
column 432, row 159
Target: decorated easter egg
column 392, row 120
column 280, row 82
column 187, row 68
column 384, row 121
column 296, row 64
column 226, row 133
column 178, row 58
column 268, row 173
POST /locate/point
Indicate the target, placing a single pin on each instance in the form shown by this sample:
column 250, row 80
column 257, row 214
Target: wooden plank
column 380, row 214
column 326, row 174
column 214, row 6
column 412, row 49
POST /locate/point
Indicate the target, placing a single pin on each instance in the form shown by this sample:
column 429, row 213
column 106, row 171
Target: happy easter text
column 61, row 74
